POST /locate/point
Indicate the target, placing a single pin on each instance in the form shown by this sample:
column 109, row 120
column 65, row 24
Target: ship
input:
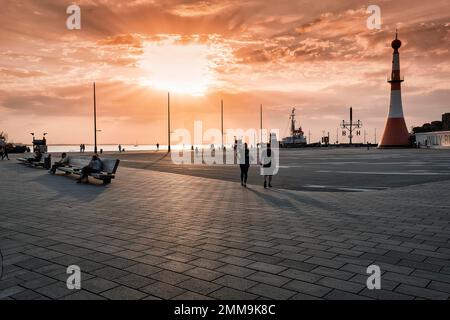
column 297, row 138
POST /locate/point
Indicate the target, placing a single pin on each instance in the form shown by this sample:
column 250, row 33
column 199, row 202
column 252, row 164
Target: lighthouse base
column 395, row 135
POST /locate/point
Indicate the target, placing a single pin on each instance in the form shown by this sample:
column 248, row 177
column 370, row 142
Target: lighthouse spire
column 395, row 132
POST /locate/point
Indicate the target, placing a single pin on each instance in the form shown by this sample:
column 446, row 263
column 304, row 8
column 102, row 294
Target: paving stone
column 307, row 288
column 134, row 281
column 325, row 262
column 175, row 266
column 339, row 274
column 55, row 291
column 119, row 263
column 268, row 278
column 123, row 293
column 235, row 270
column 109, row 273
column 342, row 295
column 188, row 295
column 232, row 294
column 266, row 267
column 163, row 290
column 415, row 281
column 422, row 292
column 207, row 263
column 302, row 296
column 170, row 277
column 385, row 295
column 199, row 286
column 98, row 285
column 235, row 282
column 83, row 295
column 341, row 284
column 271, row 292
column 143, row 269
column 301, row 275
column 204, row 274
column 439, row 286
column 27, row 295
column 236, row 261
column 38, row 283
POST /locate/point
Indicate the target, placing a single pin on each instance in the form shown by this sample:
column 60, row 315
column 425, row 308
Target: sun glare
column 180, row 68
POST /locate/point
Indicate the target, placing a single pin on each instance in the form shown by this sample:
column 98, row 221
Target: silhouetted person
column 3, row 150
column 267, row 163
column 64, row 161
column 95, row 166
column 244, row 164
column 120, row 148
column 37, row 156
column 157, row 147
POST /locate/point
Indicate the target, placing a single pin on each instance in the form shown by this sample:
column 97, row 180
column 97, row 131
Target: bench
column 37, row 164
column 108, row 172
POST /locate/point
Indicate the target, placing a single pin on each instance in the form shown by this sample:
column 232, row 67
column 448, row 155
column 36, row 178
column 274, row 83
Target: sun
column 179, row 68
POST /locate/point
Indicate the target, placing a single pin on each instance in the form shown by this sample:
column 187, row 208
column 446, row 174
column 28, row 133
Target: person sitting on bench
column 61, row 163
column 94, row 166
column 37, row 156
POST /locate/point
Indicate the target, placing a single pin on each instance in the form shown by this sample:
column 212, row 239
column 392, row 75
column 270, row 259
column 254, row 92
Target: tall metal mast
column 95, row 122
column 168, row 120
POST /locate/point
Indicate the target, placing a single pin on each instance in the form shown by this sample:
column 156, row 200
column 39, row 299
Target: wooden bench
column 106, row 175
column 35, row 164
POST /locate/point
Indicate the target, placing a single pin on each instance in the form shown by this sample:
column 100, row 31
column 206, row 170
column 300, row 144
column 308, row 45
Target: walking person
column 267, row 164
column 94, row 166
column 244, row 164
column 157, row 147
column 81, row 148
column 120, row 148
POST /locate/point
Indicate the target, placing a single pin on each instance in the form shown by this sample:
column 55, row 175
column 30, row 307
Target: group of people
column 82, row 148
column 244, row 164
column 94, row 166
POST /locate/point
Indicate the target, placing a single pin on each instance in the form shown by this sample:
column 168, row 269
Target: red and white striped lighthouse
column 395, row 133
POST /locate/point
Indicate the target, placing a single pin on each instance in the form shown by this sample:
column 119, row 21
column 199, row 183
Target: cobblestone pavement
column 157, row 235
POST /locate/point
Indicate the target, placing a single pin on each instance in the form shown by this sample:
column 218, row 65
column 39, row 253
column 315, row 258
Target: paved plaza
column 153, row 234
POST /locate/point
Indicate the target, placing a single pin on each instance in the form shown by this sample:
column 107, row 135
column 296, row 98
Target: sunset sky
column 318, row 56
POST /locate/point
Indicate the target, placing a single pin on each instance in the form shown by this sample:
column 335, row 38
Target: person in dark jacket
column 95, row 166
column 61, row 163
column 267, row 163
column 37, row 156
column 244, row 164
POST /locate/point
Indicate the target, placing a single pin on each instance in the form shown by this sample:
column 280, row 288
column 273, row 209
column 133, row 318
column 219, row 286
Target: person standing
column 267, row 164
column 157, row 147
column 244, row 164
column 120, row 148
